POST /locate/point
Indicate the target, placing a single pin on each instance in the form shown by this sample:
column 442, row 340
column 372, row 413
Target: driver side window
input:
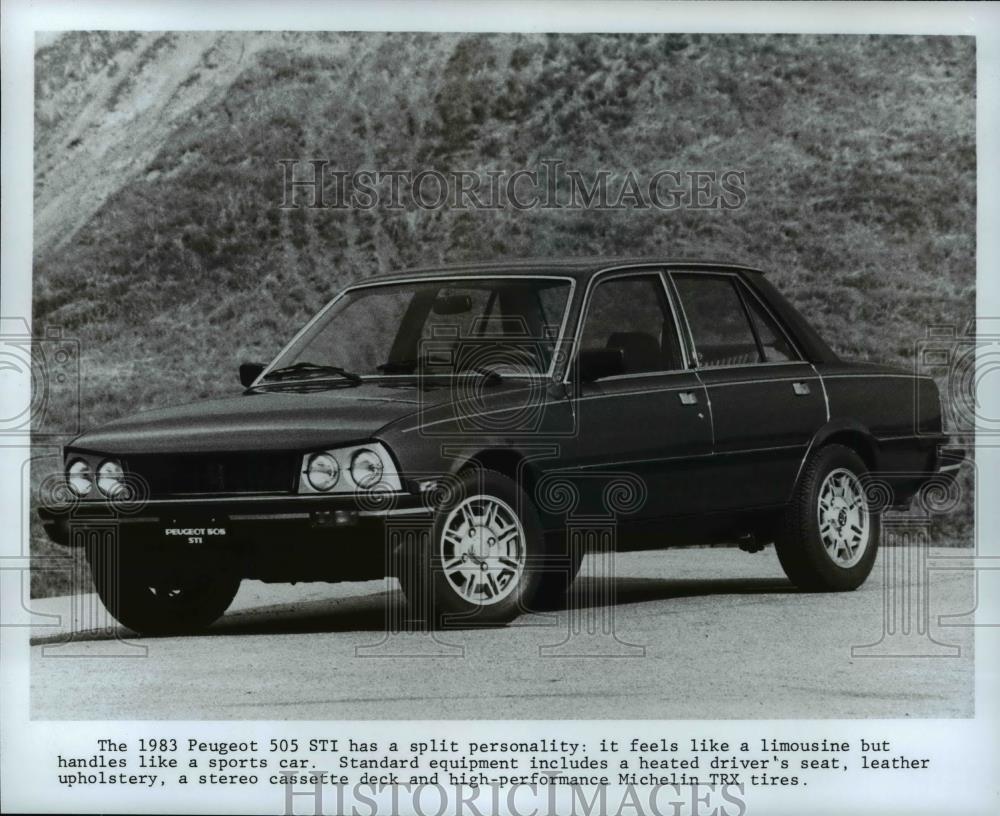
column 632, row 314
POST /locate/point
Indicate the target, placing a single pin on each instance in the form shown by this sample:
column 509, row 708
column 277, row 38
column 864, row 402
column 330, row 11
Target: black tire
column 562, row 565
column 150, row 598
column 803, row 551
column 448, row 587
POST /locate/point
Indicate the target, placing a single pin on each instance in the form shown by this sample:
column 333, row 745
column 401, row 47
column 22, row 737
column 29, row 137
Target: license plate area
column 195, row 532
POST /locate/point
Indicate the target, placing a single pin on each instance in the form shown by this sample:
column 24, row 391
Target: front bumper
column 286, row 538
column 315, row 511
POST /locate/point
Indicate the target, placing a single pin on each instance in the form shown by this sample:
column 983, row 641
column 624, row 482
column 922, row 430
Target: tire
column 151, row 599
column 828, row 538
column 482, row 561
column 562, row 565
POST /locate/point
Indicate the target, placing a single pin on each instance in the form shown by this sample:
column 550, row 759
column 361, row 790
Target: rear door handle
column 688, row 398
column 800, row 388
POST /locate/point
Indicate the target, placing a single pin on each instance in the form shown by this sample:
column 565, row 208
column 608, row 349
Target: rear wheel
column 154, row 599
column 482, row 561
column 828, row 539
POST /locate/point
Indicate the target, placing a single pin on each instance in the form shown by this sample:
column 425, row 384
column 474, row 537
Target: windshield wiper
column 311, row 370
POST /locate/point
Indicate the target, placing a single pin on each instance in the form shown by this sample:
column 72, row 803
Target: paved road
column 707, row 633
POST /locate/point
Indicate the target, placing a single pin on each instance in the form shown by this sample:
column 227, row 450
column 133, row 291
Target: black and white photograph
column 412, row 414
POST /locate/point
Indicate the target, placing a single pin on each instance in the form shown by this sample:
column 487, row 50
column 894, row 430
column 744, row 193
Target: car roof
column 582, row 267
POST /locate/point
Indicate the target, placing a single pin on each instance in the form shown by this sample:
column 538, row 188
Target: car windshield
column 505, row 326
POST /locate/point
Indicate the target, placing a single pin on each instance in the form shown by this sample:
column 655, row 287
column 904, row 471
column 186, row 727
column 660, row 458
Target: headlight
column 80, row 477
column 366, row 468
column 110, row 478
column 370, row 465
column 322, row 471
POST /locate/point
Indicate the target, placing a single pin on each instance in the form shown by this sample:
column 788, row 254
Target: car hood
column 263, row 420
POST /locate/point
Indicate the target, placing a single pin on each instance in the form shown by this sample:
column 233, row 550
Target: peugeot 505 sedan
column 474, row 430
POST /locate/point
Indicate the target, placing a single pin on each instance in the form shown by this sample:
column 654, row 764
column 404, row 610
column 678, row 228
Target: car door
column 649, row 423
column 766, row 400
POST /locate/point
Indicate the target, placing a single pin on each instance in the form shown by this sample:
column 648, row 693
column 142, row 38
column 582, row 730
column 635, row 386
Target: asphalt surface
column 684, row 634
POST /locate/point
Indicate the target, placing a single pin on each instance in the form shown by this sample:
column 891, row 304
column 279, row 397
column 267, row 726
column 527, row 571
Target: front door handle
column 688, row 398
column 801, row 389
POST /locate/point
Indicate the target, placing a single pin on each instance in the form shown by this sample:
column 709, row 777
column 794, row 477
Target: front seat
column 640, row 350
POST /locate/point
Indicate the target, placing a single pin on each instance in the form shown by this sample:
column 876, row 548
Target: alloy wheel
column 482, row 550
column 842, row 515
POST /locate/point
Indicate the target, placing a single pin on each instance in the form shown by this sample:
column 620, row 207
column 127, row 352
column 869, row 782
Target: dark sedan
column 474, row 430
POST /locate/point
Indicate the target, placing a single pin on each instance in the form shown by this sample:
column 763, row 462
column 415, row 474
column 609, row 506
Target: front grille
column 188, row 474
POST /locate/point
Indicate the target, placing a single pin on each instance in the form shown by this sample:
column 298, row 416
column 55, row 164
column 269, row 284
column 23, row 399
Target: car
column 473, row 430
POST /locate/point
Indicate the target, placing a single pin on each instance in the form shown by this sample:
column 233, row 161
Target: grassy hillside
column 161, row 246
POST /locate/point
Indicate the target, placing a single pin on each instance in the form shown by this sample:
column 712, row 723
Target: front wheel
column 829, row 537
column 482, row 560
column 562, row 565
column 155, row 599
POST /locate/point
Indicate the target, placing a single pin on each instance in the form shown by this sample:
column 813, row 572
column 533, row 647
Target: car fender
column 849, row 432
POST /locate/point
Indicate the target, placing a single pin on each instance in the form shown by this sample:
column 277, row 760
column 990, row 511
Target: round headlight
column 80, row 477
column 322, row 471
column 110, row 478
column 366, row 468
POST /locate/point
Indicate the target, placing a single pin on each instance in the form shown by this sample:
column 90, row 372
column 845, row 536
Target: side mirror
column 250, row 372
column 595, row 364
